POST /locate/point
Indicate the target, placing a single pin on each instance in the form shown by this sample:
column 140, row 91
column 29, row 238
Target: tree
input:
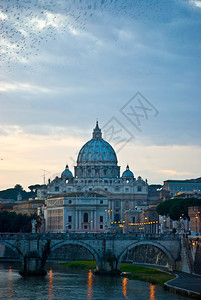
column 34, row 187
column 12, row 222
column 18, row 187
column 177, row 207
column 12, row 193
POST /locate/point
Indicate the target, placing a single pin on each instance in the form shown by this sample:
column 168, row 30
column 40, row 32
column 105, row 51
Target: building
column 6, row 207
column 96, row 173
column 28, row 207
column 154, row 193
column 194, row 213
column 77, row 212
column 142, row 220
column 42, row 192
column 175, row 186
column 194, row 194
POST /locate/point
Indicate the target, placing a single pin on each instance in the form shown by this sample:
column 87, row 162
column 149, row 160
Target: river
column 63, row 283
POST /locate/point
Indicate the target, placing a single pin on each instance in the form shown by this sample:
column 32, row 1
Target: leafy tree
column 12, row 193
column 34, row 187
column 12, row 222
column 177, row 207
column 18, row 187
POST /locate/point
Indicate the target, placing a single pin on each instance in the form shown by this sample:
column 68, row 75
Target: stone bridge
column 108, row 250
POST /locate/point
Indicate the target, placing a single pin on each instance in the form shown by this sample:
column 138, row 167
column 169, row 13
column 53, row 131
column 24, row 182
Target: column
column 91, row 219
column 76, row 219
column 95, row 220
column 112, row 212
column 80, row 219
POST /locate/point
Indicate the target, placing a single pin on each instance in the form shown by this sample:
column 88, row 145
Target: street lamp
column 196, row 218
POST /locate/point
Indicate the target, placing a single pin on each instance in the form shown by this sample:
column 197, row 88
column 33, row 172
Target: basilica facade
column 97, row 195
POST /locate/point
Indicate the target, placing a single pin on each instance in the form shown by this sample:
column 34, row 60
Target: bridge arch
column 12, row 247
column 170, row 259
column 78, row 243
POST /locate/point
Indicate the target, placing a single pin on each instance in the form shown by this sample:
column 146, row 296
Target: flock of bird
column 27, row 24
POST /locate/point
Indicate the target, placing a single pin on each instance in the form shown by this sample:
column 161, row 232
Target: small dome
column 66, row 173
column 127, row 173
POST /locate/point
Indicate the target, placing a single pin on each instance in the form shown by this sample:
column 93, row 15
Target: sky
column 135, row 66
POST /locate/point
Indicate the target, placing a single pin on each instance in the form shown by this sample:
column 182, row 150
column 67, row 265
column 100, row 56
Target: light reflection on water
column 90, row 285
column 152, row 292
column 62, row 283
column 50, row 289
column 10, row 283
column 124, row 287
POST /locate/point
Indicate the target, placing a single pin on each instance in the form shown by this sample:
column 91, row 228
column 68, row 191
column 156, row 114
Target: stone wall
column 146, row 254
column 197, row 263
column 6, row 252
column 71, row 252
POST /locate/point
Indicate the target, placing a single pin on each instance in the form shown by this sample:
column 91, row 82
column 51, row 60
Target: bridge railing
column 85, row 236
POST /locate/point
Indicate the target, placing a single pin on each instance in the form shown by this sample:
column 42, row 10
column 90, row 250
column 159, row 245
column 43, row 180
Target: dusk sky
column 135, row 66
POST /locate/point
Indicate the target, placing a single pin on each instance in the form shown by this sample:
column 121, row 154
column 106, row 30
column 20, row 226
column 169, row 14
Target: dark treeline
column 12, row 193
column 177, row 207
column 12, row 222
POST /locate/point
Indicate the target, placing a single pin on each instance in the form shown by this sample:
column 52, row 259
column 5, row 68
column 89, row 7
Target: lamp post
column 145, row 225
column 196, row 229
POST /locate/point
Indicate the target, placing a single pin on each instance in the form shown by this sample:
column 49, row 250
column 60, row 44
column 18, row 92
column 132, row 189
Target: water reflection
column 89, row 285
column 50, row 285
column 61, row 283
column 10, row 282
column 152, row 292
column 124, row 287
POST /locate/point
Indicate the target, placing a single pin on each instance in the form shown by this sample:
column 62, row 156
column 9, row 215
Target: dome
column 97, row 150
column 127, row 173
column 66, row 173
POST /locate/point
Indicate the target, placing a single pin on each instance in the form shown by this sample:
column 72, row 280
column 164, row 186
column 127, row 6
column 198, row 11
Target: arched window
column 85, row 217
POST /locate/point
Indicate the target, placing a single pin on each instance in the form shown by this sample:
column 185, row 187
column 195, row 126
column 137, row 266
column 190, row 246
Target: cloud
column 196, row 3
column 19, row 86
column 174, row 173
column 64, row 66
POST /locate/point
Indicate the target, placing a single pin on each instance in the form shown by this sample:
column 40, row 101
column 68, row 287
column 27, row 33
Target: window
column 116, row 217
column 101, row 226
column 69, row 219
column 85, row 226
column 117, row 204
column 85, row 217
column 56, row 188
column 133, row 219
column 139, row 188
column 101, row 219
column 69, row 226
column 101, row 201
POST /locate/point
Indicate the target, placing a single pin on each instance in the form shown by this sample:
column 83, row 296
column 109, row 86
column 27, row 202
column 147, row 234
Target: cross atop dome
column 97, row 134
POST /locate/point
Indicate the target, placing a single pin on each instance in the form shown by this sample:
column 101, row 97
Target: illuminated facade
column 97, row 172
